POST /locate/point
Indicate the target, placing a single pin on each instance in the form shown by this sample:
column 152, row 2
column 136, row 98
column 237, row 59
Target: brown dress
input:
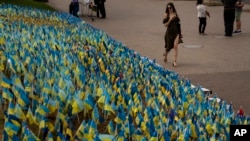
column 171, row 32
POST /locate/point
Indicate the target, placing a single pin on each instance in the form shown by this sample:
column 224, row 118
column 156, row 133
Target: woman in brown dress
column 171, row 21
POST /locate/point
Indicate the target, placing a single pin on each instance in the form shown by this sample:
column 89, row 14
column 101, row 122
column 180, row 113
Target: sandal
column 174, row 64
column 165, row 57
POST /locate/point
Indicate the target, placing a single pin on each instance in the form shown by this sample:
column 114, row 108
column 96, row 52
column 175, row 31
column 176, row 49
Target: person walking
column 229, row 16
column 102, row 9
column 238, row 10
column 202, row 15
column 74, row 8
column 172, row 22
column 240, row 112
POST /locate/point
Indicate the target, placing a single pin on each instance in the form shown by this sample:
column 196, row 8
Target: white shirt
column 201, row 10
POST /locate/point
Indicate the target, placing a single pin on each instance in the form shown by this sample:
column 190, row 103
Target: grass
column 30, row 3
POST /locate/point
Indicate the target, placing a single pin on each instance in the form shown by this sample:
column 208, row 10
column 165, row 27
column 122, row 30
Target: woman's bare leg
column 176, row 41
column 165, row 57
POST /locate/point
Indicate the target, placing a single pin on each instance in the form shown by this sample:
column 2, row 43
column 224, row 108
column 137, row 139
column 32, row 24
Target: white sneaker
column 237, row 31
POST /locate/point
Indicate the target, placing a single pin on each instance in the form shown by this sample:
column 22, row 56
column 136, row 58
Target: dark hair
column 172, row 5
column 199, row 2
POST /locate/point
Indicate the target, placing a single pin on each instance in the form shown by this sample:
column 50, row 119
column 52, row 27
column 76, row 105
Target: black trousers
column 97, row 3
column 74, row 8
column 202, row 25
column 229, row 16
column 102, row 9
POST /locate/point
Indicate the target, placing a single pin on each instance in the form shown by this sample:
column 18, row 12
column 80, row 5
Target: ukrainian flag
column 23, row 99
column 7, row 94
column 11, row 129
column 5, row 82
column 19, row 112
column 77, row 106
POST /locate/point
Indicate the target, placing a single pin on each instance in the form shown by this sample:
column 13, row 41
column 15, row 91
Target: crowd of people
column 171, row 20
column 99, row 5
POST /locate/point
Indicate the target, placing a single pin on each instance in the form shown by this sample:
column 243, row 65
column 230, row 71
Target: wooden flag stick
column 77, row 115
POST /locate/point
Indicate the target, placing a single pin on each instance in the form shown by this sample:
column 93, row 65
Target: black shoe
column 237, row 31
column 228, row 35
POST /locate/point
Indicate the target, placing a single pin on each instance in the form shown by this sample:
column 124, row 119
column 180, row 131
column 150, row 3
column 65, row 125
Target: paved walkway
column 221, row 64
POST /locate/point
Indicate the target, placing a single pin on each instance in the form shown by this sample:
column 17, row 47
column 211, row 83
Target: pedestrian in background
column 102, row 9
column 202, row 15
column 229, row 16
column 74, row 8
column 97, row 3
column 238, row 10
column 240, row 112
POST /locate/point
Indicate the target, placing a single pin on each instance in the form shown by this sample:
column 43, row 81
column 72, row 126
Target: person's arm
column 204, row 8
column 207, row 13
column 179, row 28
column 166, row 20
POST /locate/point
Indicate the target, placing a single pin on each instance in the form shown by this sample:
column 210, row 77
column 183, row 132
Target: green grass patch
column 29, row 3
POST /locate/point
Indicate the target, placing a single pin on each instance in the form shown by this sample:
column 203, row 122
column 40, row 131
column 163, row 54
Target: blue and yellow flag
column 77, row 106
column 50, row 137
column 29, row 116
column 43, row 123
column 121, row 117
column 23, row 99
column 11, row 129
column 6, row 94
column 5, row 82
column 108, row 107
column 95, row 114
column 19, row 112
column 110, row 128
column 11, row 109
column 42, row 110
column 81, row 129
column 89, row 102
column 52, row 105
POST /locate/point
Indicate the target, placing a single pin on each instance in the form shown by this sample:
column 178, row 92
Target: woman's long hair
column 199, row 2
column 172, row 5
